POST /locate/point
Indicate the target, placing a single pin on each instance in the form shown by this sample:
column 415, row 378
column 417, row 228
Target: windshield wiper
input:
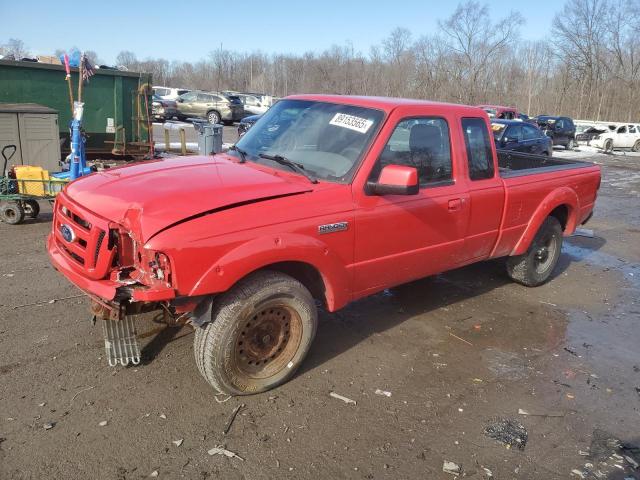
column 292, row 165
column 243, row 154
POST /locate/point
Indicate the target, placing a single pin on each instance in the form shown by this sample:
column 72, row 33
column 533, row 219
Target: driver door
column 399, row 238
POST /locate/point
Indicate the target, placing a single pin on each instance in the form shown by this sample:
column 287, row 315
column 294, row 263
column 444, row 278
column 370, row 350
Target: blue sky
column 189, row 30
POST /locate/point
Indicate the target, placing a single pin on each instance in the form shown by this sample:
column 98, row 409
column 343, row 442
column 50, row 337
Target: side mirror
column 395, row 180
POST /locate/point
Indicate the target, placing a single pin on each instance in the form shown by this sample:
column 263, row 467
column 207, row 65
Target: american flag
column 87, row 68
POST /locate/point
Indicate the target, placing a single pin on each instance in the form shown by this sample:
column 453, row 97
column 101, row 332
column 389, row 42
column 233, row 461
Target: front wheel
column 31, row 208
column 213, row 118
column 536, row 265
column 259, row 334
column 608, row 146
column 570, row 144
column 636, row 146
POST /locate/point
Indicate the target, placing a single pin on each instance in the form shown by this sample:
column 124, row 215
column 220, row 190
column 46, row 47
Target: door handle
column 455, row 204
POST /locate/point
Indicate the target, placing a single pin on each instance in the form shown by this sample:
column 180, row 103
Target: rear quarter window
column 478, row 146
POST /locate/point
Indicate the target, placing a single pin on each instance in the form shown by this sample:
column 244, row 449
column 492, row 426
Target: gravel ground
column 456, row 353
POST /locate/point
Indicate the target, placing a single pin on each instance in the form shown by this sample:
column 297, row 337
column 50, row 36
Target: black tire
column 11, row 213
column 608, row 146
column 31, row 208
column 570, row 144
column 636, row 146
column 259, row 334
column 536, row 265
column 213, row 117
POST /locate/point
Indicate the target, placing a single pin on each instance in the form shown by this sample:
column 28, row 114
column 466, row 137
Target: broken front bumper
column 105, row 289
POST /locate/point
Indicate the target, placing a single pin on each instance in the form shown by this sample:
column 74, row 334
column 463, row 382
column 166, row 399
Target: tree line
column 587, row 66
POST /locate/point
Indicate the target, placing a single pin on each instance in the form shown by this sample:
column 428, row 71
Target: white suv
column 168, row 93
column 624, row 136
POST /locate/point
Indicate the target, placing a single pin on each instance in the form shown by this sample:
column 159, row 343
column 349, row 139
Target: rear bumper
column 104, row 289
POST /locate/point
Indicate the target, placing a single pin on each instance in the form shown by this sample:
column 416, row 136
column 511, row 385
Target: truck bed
column 515, row 164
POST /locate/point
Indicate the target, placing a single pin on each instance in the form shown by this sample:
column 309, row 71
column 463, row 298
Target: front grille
column 84, row 243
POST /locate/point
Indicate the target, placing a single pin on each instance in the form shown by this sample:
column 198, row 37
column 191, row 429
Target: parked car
column 349, row 196
column 585, row 132
column 168, row 93
column 163, row 110
column 526, row 118
column 252, row 106
column 246, row 123
column 623, row 137
column 561, row 130
column 521, row 137
column 212, row 106
column 497, row 111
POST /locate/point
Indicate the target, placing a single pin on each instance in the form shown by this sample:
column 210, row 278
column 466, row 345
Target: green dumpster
column 117, row 104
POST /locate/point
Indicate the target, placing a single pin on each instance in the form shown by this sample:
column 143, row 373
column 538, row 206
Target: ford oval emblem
column 67, row 233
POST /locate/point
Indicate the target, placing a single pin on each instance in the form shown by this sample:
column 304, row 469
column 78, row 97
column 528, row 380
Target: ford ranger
column 327, row 199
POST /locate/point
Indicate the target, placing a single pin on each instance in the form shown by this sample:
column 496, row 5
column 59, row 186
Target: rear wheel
column 259, row 334
column 636, row 146
column 536, row 265
column 31, row 208
column 608, row 146
column 11, row 213
column 570, row 144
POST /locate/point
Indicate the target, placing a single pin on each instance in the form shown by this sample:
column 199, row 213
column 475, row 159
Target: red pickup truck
column 325, row 200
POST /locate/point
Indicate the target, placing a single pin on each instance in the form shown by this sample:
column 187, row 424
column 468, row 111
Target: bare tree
column 474, row 42
column 15, row 48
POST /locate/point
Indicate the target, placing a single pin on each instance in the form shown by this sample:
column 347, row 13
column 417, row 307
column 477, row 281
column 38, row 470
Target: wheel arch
column 562, row 204
column 304, row 258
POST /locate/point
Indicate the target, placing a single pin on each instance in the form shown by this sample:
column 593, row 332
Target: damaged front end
column 123, row 279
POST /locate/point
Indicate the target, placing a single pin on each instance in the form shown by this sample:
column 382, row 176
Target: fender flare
column 263, row 251
column 563, row 196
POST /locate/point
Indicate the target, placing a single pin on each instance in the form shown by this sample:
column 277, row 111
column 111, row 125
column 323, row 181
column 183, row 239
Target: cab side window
column 478, row 144
column 422, row 143
column 514, row 133
column 529, row 132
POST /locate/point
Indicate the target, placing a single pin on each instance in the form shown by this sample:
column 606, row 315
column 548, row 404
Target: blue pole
column 76, row 150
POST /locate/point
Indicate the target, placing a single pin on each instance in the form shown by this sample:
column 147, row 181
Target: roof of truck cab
column 387, row 104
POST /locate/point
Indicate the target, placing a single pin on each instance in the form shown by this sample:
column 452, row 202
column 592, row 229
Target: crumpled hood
column 148, row 197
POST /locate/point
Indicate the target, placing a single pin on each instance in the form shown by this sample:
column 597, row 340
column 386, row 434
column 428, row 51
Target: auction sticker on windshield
column 351, row 122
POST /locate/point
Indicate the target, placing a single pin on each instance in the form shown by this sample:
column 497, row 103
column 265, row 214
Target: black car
column 521, row 137
column 246, row 123
column 561, row 130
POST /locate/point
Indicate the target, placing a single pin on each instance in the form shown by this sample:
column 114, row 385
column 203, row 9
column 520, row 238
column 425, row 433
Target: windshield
column 325, row 139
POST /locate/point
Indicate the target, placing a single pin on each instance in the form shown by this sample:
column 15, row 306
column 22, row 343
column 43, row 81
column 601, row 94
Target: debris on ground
column 219, row 450
column 163, row 416
column 154, row 474
column 344, row 399
column 583, row 232
column 508, row 432
column 451, row 468
column 537, row 414
column 461, row 339
column 178, row 443
column 103, row 423
column 488, row 473
column 382, row 392
column 609, row 457
column 234, row 413
column 49, row 425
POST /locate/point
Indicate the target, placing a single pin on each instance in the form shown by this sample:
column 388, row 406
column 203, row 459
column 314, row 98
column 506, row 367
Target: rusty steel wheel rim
column 268, row 341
